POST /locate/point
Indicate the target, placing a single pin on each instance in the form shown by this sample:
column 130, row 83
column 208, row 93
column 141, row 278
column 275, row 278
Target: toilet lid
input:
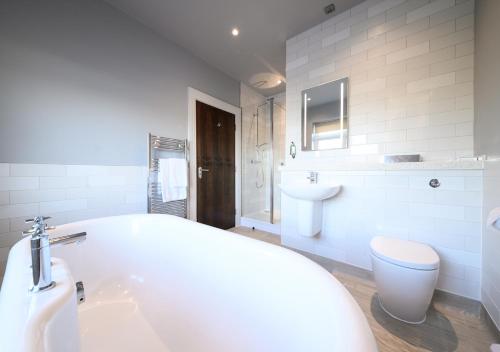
column 408, row 254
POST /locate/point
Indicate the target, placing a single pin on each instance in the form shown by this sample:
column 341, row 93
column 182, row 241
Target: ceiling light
column 308, row 99
column 235, row 32
column 279, row 81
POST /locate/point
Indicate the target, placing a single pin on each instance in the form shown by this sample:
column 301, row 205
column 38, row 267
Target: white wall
column 487, row 79
column 67, row 193
column 487, row 141
column 83, row 83
column 401, row 204
column 410, row 65
column 491, row 243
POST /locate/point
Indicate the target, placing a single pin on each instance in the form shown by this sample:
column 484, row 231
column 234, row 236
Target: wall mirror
column 325, row 120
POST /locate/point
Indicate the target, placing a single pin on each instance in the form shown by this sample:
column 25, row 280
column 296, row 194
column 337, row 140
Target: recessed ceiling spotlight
column 279, row 81
column 308, row 99
column 329, row 8
column 235, row 32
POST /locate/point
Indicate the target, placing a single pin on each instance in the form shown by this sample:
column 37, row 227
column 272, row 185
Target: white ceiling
column 203, row 27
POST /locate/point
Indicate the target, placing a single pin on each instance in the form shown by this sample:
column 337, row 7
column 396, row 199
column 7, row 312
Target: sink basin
column 312, row 192
column 309, row 198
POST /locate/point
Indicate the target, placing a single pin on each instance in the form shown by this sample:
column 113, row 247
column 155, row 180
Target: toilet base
column 395, row 317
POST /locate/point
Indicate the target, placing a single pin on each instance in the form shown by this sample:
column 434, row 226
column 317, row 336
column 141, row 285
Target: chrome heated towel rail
column 163, row 147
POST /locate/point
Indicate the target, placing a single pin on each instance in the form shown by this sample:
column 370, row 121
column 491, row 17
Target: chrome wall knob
column 434, row 183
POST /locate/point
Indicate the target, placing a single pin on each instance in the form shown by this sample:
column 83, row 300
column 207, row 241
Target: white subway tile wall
column 399, row 204
column 67, row 193
column 410, row 65
column 490, row 295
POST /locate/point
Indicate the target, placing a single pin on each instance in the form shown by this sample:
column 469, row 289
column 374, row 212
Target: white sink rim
column 310, row 191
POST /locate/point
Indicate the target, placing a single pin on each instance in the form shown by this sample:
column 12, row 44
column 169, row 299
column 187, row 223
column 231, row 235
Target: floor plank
column 453, row 323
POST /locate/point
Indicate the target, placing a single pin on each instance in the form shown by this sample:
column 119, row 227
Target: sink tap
column 313, row 177
column 40, row 251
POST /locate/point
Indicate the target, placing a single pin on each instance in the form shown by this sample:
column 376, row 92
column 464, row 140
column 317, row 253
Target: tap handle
column 35, row 231
column 39, row 226
column 31, row 232
column 37, row 220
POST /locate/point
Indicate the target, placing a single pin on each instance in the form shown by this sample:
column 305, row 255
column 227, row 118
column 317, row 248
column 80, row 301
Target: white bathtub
column 161, row 283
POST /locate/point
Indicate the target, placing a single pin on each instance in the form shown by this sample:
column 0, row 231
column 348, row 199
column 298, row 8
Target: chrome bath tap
column 40, row 251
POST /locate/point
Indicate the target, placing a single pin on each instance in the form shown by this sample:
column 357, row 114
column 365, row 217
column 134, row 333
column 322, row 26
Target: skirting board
column 261, row 225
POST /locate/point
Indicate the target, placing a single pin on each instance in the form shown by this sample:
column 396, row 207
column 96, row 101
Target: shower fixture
column 263, row 153
column 260, row 177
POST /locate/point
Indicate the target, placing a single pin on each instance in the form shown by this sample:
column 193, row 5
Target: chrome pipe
column 68, row 239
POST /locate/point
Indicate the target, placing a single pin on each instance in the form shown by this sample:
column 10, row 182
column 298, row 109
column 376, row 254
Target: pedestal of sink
column 309, row 198
column 310, row 217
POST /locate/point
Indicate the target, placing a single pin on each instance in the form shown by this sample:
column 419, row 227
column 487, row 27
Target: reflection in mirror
column 324, row 116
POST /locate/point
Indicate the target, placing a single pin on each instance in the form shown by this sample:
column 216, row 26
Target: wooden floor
column 453, row 323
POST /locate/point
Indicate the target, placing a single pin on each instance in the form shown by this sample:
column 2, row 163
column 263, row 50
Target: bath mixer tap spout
column 40, row 251
column 68, row 239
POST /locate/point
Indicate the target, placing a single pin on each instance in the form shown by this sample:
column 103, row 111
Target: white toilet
column 406, row 275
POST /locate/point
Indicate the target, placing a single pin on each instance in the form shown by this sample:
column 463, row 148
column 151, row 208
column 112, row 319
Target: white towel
column 172, row 175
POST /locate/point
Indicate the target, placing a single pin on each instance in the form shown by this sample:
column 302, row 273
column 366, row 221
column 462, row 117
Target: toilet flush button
column 434, row 183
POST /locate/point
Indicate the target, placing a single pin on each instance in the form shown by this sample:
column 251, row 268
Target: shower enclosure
column 263, row 137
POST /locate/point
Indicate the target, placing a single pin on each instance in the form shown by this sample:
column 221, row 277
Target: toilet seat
column 408, row 254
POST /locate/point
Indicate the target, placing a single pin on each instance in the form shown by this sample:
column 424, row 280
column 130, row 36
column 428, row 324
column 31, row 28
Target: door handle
column 200, row 172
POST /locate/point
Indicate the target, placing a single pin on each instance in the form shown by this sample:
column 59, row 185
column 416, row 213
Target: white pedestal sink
column 310, row 199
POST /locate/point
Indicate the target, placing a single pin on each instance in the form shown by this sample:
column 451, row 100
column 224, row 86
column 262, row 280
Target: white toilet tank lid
column 409, row 254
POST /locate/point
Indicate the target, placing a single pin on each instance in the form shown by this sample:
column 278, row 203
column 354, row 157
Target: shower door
column 263, row 154
column 279, row 148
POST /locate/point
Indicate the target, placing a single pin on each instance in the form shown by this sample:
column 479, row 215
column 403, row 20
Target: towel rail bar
column 156, row 205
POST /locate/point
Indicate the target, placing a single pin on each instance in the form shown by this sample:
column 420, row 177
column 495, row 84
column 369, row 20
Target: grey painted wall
column 82, row 83
column 487, row 78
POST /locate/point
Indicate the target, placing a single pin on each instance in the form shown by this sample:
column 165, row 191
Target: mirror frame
column 303, row 131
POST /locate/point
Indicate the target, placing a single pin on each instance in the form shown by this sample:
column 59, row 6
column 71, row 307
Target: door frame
column 193, row 96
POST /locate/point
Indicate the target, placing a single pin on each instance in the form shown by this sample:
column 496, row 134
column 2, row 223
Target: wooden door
column 215, row 155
